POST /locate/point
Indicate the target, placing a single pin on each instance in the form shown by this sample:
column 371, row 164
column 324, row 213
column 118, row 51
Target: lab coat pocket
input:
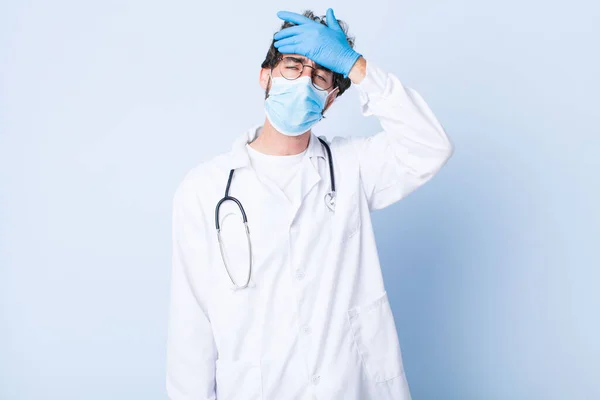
column 238, row 380
column 376, row 339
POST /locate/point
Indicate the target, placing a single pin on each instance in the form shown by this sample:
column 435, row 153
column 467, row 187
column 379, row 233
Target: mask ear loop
column 334, row 89
column 270, row 81
column 323, row 111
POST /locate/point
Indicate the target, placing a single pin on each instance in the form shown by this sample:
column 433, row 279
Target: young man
column 292, row 305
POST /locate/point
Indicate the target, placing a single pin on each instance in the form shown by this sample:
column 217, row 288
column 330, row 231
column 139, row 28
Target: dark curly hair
column 273, row 54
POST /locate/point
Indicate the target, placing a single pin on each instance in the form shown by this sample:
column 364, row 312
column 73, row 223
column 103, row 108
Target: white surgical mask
column 294, row 106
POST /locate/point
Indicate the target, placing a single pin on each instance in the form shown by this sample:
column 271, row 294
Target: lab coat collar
column 239, row 154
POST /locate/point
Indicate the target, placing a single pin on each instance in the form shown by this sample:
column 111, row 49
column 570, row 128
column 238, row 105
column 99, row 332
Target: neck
column 271, row 141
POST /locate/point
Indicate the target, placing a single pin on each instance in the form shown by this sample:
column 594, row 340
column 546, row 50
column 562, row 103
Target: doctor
column 295, row 306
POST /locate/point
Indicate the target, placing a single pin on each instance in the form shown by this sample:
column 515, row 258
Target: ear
column 331, row 98
column 264, row 77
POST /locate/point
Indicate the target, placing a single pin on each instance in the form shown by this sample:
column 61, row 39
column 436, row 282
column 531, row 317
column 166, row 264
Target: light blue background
column 492, row 267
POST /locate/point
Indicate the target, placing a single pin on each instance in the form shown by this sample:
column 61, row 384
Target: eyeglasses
column 291, row 68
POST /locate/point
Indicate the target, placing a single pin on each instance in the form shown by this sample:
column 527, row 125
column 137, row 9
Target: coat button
column 315, row 379
column 299, row 274
column 306, row 329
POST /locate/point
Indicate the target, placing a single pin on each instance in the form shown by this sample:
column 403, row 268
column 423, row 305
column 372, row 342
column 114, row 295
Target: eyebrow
column 303, row 61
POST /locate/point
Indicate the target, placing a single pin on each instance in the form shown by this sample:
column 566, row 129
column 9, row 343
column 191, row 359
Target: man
column 295, row 307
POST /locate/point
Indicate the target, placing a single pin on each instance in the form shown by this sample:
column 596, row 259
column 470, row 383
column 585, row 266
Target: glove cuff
column 350, row 60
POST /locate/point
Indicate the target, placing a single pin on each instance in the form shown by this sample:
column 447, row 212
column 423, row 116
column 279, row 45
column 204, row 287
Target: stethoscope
column 329, row 202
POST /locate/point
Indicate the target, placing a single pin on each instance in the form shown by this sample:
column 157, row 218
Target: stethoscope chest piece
column 330, row 201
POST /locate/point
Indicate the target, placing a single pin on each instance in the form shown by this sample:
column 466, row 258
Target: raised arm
column 411, row 148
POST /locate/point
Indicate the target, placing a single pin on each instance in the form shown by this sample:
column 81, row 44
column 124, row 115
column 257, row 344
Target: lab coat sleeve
column 191, row 352
column 411, row 148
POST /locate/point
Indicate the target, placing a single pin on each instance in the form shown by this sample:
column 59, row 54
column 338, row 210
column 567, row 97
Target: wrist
column 349, row 58
column 359, row 70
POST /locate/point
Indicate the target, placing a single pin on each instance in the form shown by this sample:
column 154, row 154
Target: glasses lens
column 290, row 68
column 322, row 80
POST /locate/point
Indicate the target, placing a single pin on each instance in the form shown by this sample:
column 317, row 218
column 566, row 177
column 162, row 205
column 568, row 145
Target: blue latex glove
column 325, row 45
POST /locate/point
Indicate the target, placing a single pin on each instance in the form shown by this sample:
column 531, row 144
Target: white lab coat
column 316, row 322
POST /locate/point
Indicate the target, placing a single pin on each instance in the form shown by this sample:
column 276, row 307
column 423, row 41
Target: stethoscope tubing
column 330, row 203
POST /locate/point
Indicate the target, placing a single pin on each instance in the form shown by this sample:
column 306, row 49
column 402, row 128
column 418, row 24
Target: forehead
column 304, row 60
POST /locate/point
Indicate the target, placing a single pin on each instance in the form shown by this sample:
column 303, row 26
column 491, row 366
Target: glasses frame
column 278, row 64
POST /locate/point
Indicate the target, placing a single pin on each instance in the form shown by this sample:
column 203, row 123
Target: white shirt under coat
column 277, row 169
column 316, row 322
